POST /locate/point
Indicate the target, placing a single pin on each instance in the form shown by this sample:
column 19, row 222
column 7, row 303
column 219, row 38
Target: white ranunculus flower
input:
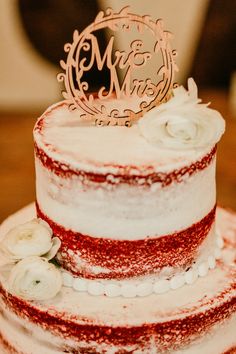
column 33, row 238
column 182, row 122
column 34, row 278
column 56, row 243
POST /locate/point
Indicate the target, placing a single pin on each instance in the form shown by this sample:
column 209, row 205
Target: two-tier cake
column 124, row 250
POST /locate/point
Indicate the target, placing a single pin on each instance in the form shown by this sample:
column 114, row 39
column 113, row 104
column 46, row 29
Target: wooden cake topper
column 101, row 108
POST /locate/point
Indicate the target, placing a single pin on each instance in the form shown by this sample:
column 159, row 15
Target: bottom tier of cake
column 197, row 318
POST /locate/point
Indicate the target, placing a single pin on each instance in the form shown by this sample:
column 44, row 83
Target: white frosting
column 190, row 276
column 90, row 148
column 217, row 253
column 203, row 269
column 125, row 212
column 211, row 262
column 120, row 311
column 16, row 331
column 182, row 122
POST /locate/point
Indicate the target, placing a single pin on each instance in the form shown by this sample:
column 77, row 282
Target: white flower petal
column 45, row 224
column 182, row 122
column 5, row 259
column 34, row 278
column 56, row 243
column 192, row 89
column 33, row 238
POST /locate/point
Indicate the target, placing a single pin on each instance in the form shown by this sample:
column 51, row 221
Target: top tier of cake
column 105, row 150
column 122, row 207
column 110, row 182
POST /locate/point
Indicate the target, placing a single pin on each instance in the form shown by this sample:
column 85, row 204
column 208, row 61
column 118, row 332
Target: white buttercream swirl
column 182, row 122
column 33, row 238
column 34, row 278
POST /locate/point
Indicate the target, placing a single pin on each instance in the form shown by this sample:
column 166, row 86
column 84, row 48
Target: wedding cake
column 124, row 250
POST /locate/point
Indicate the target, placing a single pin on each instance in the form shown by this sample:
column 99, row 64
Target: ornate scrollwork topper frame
column 150, row 94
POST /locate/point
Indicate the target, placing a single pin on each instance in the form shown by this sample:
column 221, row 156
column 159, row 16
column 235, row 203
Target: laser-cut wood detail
column 148, row 94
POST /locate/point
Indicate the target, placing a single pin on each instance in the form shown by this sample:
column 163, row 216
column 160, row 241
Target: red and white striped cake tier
column 196, row 318
column 122, row 207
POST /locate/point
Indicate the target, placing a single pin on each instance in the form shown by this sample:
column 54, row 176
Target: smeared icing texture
column 123, row 258
column 128, row 214
column 122, row 207
column 200, row 319
column 127, row 174
column 61, row 136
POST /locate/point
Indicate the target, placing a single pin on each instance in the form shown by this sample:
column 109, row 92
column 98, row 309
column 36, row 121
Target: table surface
column 17, row 178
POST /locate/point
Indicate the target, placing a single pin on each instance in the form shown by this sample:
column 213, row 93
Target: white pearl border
column 143, row 287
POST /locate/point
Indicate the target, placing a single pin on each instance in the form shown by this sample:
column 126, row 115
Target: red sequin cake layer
column 122, row 208
column 202, row 317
